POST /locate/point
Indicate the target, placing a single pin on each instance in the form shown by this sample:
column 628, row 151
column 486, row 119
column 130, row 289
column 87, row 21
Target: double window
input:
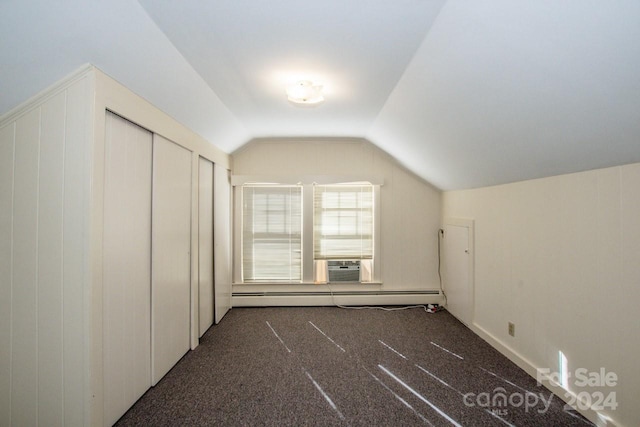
column 340, row 222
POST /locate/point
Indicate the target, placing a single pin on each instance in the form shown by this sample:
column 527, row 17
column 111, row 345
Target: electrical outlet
column 512, row 329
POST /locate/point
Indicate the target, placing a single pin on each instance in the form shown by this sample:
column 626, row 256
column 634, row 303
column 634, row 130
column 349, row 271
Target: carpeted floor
column 324, row 366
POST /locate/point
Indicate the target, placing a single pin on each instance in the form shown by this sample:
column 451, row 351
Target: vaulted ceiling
column 465, row 93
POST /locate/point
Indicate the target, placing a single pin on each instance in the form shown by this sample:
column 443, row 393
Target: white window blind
column 343, row 222
column 272, row 233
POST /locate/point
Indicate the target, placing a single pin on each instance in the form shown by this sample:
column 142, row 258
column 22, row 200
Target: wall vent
column 343, row 271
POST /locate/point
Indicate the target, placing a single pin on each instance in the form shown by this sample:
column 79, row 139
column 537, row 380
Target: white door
column 205, row 245
column 456, row 244
column 126, row 266
column 171, row 258
column 222, row 241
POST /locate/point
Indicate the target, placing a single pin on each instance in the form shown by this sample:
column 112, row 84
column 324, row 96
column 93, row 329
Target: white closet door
column 457, row 274
column 171, row 259
column 222, row 240
column 205, row 245
column 127, row 266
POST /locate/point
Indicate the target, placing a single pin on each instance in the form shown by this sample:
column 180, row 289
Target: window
column 290, row 232
column 343, row 222
column 272, row 233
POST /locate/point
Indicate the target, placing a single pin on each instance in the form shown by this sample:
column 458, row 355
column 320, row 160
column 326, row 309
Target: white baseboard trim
column 596, row 417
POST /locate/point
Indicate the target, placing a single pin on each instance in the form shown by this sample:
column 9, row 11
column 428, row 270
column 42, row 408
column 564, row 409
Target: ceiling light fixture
column 305, row 92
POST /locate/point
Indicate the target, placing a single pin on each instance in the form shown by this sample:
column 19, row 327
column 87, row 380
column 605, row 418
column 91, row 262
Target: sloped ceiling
column 502, row 91
column 465, row 93
column 43, row 41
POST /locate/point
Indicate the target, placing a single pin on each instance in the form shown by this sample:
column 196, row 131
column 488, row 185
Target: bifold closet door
column 126, row 266
column 205, row 245
column 171, row 258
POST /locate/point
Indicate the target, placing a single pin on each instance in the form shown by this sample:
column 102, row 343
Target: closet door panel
column 205, row 245
column 222, row 240
column 171, row 258
column 127, row 266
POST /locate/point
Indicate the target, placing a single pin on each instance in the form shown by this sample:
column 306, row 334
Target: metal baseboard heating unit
column 343, row 271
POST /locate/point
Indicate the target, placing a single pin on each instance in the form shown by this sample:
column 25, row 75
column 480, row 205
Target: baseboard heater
column 327, row 298
column 335, row 293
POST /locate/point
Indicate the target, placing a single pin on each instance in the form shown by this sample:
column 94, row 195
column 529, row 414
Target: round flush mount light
column 305, row 92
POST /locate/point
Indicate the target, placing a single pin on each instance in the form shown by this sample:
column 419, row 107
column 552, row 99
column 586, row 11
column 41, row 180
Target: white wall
column 410, row 208
column 560, row 257
column 44, row 180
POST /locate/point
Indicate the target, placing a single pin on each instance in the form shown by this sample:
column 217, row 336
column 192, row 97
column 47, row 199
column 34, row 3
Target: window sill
column 375, row 284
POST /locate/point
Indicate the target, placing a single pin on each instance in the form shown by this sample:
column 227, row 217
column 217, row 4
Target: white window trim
column 239, row 180
column 307, row 183
column 286, row 219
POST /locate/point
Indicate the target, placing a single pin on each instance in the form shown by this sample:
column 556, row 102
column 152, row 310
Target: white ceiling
column 248, row 51
column 465, row 93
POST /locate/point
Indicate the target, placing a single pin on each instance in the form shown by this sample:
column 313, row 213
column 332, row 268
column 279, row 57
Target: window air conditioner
column 343, row 271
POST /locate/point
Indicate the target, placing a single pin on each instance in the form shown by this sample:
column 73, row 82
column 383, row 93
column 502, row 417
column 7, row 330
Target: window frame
column 308, row 263
column 286, row 211
column 362, row 218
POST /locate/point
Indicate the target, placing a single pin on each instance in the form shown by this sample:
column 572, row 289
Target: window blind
column 343, row 221
column 272, row 233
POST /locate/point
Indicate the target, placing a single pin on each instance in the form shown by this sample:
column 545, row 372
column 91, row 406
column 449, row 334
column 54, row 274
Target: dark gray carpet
column 326, row 366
